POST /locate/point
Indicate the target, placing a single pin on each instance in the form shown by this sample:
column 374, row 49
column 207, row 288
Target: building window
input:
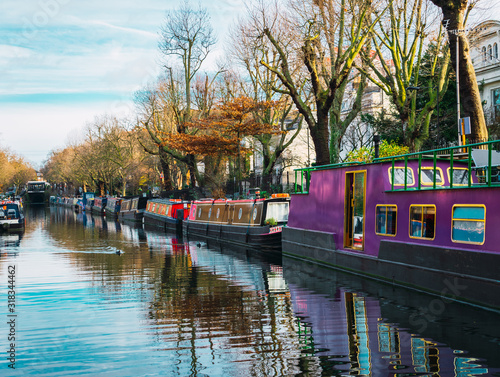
column 386, row 216
column 484, row 53
column 468, row 223
column 490, row 53
column 496, row 102
column 495, row 51
column 399, row 176
column 427, row 176
column 423, row 221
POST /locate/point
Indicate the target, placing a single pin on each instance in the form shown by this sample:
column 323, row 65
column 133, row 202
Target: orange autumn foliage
column 223, row 131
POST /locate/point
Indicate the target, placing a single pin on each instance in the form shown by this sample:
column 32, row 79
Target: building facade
column 485, row 56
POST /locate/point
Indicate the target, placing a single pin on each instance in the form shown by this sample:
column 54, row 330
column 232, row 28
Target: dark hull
column 159, row 221
column 132, row 216
column 98, row 210
column 111, row 214
column 461, row 275
column 36, row 197
column 9, row 227
column 250, row 236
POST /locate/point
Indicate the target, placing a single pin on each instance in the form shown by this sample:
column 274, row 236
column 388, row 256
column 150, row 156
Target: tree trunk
column 192, row 170
column 453, row 21
column 320, row 138
column 165, row 167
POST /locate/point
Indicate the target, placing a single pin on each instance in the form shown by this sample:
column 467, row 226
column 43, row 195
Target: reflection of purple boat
column 349, row 334
column 421, row 220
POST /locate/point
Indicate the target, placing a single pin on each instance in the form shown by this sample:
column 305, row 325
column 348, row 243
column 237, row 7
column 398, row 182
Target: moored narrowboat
column 424, row 220
column 99, row 205
column 11, row 216
column 84, row 200
column 89, row 204
column 35, row 190
column 113, row 207
column 249, row 222
column 132, row 208
column 167, row 214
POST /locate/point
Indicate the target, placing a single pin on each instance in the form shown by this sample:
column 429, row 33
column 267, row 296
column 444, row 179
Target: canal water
column 71, row 305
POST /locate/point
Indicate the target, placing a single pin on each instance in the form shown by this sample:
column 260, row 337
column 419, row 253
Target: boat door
column 354, row 226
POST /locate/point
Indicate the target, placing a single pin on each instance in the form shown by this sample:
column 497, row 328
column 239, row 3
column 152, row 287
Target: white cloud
column 89, row 50
column 33, row 130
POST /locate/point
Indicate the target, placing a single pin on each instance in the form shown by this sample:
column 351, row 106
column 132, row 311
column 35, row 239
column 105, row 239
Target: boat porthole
column 218, row 212
column 199, row 212
column 240, row 213
column 254, row 214
column 209, row 212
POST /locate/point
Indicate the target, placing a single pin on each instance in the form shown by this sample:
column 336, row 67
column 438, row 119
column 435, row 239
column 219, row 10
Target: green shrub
column 271, row 222
column 365, row 154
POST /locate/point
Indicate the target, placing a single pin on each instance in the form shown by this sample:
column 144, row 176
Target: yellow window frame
column 422, row 221
column 448, row 171
column 459, row 219
column 401, row 168
column 386, row 227
column 439, row 172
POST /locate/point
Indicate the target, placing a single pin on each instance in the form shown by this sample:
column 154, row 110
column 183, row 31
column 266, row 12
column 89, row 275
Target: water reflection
column 376, row 329
column 191, row 308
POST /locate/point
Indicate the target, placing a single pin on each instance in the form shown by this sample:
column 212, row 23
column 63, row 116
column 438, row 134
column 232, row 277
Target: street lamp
column 457, row 32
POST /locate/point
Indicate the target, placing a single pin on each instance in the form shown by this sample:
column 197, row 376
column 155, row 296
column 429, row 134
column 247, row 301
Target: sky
column 64, row 62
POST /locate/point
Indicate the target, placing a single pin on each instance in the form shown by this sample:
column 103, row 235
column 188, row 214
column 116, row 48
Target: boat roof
column 169, row 201
column 2, row 202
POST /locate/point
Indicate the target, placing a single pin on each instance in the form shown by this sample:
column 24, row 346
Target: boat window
column 10, row 211
column 399, row 176
column 460, row 176
column 422, row 221
column 386, row 219
column 468, row 223
column 278, row 211
column 427, row 176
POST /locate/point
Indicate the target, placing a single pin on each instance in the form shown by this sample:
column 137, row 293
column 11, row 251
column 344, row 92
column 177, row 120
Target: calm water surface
column 168, row 308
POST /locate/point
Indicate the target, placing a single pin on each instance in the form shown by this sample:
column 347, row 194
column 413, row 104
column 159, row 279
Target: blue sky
column 63, row 62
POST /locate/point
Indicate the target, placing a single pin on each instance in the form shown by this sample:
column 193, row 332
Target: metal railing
column 485, row 176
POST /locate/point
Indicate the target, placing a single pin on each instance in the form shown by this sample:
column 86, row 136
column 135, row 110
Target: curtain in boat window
column 278, row 211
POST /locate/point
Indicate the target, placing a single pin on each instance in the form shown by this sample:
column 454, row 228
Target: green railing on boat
column 303, row 175
column 461, row 153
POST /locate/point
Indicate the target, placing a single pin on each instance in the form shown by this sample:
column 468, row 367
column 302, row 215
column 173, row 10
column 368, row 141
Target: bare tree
column 399, row 41
column 248, row 52
column 187, row 35
column 327, row 36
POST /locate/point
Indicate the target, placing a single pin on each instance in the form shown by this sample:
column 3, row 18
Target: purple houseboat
column 424, row 220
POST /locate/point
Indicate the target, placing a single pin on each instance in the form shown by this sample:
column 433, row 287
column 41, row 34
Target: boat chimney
column 376, row 141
